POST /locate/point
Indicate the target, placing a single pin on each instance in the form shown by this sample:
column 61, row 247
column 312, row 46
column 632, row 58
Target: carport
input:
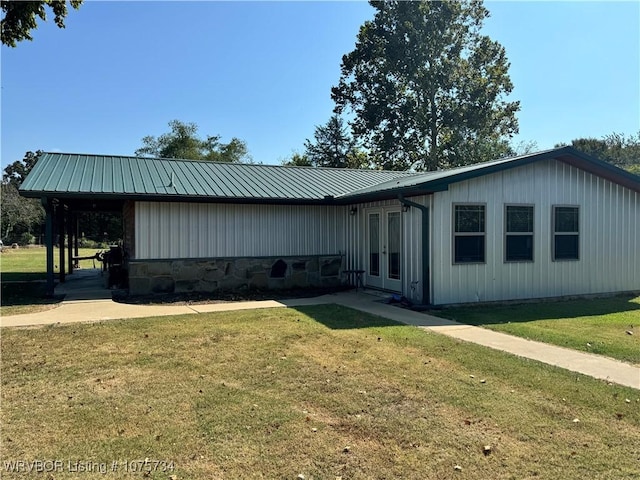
column 62, row 220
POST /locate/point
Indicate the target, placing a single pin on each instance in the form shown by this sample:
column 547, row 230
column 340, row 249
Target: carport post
column 76, row 226
column 48, row 241
column 70, row 240
column 61, row 241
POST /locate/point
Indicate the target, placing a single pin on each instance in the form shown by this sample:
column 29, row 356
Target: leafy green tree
column 297, row 160
column 425, row 86
column 333, row 146
column 616, row 148
column 16, row 172
column 100, row 227
column 183, row 142
column 524, row 147
column 20, row 215
column 635, row 169
column 20, row 17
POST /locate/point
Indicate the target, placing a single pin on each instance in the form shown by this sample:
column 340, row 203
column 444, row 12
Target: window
column 566, row 233
column 469, row 233
column 518, row 233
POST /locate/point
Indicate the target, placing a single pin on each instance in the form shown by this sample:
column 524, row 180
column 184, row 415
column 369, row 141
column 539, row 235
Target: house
column 549, row 224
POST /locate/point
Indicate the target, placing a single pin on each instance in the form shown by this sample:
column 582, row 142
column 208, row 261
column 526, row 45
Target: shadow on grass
column 548, row 310
column 26, row 293
column 23, row 276
column 218, row 296
column 337, row 317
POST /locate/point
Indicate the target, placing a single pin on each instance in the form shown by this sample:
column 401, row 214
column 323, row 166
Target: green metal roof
column 72, row 175
column 64, row 175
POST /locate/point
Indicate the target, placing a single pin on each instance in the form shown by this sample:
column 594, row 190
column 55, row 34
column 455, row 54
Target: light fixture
column 405, row 207
column 353, row 211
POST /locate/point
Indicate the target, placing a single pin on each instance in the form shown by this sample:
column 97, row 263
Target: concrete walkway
column 77, row 308
column 597, row 366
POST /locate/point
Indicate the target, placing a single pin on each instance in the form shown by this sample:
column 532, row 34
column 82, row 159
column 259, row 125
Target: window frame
column 554, row 234
column 455, row 234
column 520, row 234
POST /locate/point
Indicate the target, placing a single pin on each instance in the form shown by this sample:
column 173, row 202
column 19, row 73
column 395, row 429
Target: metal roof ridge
column 239, row 164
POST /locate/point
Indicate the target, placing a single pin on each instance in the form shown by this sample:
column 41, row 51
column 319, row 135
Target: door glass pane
column 374, row 244
column 393, row 226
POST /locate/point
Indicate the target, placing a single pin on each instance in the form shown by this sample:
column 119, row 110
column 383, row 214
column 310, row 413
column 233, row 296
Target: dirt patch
column 199, row 298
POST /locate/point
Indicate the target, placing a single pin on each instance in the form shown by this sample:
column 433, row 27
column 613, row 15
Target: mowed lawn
column 24, row 264
column 606, row 326
column 22, row 271
column 324, row 392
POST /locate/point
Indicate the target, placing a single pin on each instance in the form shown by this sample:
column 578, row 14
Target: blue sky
column 262, row 71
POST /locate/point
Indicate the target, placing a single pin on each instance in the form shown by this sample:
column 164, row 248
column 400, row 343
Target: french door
column 384, row 238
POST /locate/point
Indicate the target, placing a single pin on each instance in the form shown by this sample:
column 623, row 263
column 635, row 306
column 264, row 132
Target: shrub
column 84, row 242
column 26, row 239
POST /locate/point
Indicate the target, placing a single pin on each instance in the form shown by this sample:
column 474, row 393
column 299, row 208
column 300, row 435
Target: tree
column 334, row 147
column 635, row 169
column 19, row 18
column 615, row 148
column 183, row 142
column 100, row 227
column 19, row 214
column 16, row 172
column 298, row 160
column 425, row 86
column 524, row 147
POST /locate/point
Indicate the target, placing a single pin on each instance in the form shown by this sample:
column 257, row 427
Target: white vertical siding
column 609, row 235
column 609, row 238
column 201, row 230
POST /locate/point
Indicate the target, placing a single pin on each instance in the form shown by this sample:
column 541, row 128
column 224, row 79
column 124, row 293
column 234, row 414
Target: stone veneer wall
column 208, row 275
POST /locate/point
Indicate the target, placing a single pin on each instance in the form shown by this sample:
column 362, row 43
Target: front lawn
column 606, row 326
column 321, row 391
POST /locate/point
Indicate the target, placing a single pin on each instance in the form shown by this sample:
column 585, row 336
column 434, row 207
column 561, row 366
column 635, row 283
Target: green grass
column 27, row 264
column 591, row 325
column 22, row 272
column 276, row 393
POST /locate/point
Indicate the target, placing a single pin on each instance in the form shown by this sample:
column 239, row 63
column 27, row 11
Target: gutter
column 425, row 246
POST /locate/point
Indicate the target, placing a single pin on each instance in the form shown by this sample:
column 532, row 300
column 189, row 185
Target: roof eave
column 601, row 168
column 392, row 194
column 178, row 198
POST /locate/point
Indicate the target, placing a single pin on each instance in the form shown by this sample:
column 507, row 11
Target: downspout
column 425, row 245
